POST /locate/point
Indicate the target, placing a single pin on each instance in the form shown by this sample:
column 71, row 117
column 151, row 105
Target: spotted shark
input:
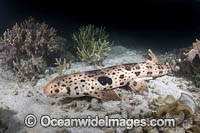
column 102, row 82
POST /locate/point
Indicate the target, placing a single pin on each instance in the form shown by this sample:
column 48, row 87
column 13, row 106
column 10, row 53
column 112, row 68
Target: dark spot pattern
column 121, row 76
column 102, row 72
column 76, row 87
column 137, row 73
column 149, row 73
column 160, row 72
column 128, row 83
column 121, row 83
column 149, row 67
column 160, row 67
column 85, row 93
column 57, row 90
column 128, row 68
column 137, row 67
column 134, row 83
column 82, row 80
column 103, row 80
column 63, row 85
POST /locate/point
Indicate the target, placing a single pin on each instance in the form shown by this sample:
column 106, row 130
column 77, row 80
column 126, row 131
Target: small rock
column 110, row 131
column 177, row 68
column 29, row 94
column 136, row 130
column 15, row 92
column 154, row 130
column 95, row 105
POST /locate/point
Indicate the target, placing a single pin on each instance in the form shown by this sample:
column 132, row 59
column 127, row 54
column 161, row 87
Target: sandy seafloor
column 19, row 99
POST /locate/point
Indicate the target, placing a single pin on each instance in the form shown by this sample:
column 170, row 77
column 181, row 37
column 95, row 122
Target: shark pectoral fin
column 139, row 86
column 107, row 95
column 152, row 56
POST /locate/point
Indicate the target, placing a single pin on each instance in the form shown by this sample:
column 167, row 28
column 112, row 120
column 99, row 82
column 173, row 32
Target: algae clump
column 92, row 44
column 62, row 65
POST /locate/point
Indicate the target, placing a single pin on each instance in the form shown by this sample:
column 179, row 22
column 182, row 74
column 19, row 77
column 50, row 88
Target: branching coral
column 92, row 44
column 28, row 47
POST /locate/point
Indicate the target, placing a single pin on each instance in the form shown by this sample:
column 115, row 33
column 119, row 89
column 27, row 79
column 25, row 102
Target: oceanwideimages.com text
column 46, row 121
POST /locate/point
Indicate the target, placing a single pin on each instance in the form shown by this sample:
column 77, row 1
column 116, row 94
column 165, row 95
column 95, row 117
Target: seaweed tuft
column 92, row 44
column 62, row 65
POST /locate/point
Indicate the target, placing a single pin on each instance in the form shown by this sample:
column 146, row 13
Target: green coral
column 62, row 65
column 92, row 44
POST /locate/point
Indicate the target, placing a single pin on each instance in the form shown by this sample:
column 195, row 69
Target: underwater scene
column 99, row 67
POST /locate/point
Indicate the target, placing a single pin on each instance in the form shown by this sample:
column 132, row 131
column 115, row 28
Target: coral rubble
column 183, row 110
column 189, row 61
column 190, row 58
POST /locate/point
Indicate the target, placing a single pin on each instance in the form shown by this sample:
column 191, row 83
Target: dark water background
column 160, row 25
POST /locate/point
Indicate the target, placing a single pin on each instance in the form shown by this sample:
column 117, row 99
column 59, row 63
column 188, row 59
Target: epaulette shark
column 102, row 82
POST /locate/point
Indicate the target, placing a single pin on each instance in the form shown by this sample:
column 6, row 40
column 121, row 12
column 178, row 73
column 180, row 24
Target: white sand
column 20, row 99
